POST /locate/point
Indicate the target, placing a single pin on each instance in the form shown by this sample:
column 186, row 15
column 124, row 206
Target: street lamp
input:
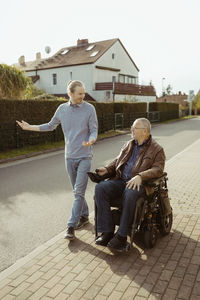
column 163, row 89
column 190, row 99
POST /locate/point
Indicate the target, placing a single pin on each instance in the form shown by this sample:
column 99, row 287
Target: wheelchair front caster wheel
column 150, row 238
column 128, row 247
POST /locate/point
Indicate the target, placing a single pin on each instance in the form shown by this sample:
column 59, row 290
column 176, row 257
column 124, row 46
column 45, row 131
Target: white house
column 105, row 67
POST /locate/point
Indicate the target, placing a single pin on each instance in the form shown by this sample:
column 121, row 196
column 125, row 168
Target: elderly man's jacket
column 150, row 163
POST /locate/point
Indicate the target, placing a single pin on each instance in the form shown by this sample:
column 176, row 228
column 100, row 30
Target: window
column 94, row 53
column 90, row 47
column 70, row 75
column 113, row 55
column 54, row 79
column 129, row 79
column 64, row 52
column 107, row 95
column 122, row 78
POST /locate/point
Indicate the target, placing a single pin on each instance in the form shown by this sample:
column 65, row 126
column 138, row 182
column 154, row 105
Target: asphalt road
column 36, row 196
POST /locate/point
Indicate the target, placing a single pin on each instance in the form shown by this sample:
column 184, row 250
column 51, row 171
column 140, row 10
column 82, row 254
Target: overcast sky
column 162, row 36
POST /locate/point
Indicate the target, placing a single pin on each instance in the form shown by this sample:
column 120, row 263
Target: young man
column 79, row 124
column 141, row 159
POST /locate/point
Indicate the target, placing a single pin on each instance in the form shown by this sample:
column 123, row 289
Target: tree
column 13, row 83
column 196, row 100
column 169, row 89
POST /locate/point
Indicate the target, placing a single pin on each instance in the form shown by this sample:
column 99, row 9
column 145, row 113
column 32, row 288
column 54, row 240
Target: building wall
column 121, row 61
column 135, row 97
column 81, row 72
column 176, row 98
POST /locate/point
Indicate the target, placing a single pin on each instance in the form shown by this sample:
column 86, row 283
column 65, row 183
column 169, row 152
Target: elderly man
column 141, row 159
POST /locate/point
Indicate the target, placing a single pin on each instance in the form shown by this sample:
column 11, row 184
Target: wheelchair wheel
column 150, row 238
column 166, row 224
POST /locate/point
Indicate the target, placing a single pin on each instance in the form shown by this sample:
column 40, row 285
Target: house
column 106, row 68
column 175, row 98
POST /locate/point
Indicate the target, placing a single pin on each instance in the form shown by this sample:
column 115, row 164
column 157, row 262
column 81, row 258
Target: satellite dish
column 47, row 49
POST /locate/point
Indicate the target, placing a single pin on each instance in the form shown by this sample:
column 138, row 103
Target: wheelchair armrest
column 94, row 177
column 156, row 181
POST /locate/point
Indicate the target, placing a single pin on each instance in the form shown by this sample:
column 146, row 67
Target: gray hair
column 145, row 123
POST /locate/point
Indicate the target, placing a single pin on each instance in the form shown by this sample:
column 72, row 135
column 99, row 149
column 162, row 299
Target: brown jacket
column 150, row 163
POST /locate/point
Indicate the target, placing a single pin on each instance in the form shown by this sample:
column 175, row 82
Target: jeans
column 77, row 170
column 109, row 190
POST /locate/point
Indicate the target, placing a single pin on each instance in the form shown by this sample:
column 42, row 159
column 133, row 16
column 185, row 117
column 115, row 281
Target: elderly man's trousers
column 113, row 190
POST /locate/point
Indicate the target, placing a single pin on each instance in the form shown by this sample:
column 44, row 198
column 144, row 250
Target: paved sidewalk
column 82, row 270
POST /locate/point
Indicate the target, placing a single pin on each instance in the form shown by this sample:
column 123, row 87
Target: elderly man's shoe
column 104, row 238
column 117, row 243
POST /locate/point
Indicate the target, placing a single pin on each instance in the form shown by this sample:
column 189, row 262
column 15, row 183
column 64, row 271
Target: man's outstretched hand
column 89, row 143
column 24, row 125
column 134, row 182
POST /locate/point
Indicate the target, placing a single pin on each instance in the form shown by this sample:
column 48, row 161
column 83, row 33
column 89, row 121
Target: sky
column 161, row 36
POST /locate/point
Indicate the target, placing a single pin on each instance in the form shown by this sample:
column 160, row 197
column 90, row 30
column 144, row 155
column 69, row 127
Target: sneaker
column 70, row 234
column 83, row 221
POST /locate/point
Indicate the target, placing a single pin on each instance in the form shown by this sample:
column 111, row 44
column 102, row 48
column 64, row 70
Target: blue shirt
column 79, row 123
column 127, row 170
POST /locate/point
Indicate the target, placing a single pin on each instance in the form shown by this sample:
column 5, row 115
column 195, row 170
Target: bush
column 13, row 83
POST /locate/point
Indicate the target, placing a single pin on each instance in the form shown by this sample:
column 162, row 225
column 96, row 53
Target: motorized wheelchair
column 153, row 213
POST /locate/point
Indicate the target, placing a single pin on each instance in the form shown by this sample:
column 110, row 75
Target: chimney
column 21, row 60
column 38, row 56
column 82, row 42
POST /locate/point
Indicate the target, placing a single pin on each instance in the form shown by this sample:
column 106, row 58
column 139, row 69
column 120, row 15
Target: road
column 36, row 196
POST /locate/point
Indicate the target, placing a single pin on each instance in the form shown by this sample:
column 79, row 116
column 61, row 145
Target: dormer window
column 90, row 47
column 94, row 53
column 64, row 52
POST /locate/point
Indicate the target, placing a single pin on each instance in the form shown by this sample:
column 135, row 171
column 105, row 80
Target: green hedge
column 105, row 115
column 167, row 111
column 39, row 112
column 131, row 111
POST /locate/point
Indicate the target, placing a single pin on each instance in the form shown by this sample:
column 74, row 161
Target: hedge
column 41, row 111
column 167, row 111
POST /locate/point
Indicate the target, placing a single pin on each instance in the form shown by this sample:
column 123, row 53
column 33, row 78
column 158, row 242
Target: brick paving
column 82, row 270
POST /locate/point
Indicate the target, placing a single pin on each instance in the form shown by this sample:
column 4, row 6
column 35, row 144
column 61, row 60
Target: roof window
column 65, row 51
column 90, row 47
column 94, row 53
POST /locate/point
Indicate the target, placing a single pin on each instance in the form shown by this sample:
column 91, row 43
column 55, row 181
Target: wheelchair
column 153, row 213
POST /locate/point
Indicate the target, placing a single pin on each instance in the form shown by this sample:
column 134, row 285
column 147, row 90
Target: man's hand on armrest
column 26, row 126
column 134, row 182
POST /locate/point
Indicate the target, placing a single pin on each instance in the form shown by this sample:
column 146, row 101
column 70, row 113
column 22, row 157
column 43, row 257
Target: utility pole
column 163, row 89
column 190, row 99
